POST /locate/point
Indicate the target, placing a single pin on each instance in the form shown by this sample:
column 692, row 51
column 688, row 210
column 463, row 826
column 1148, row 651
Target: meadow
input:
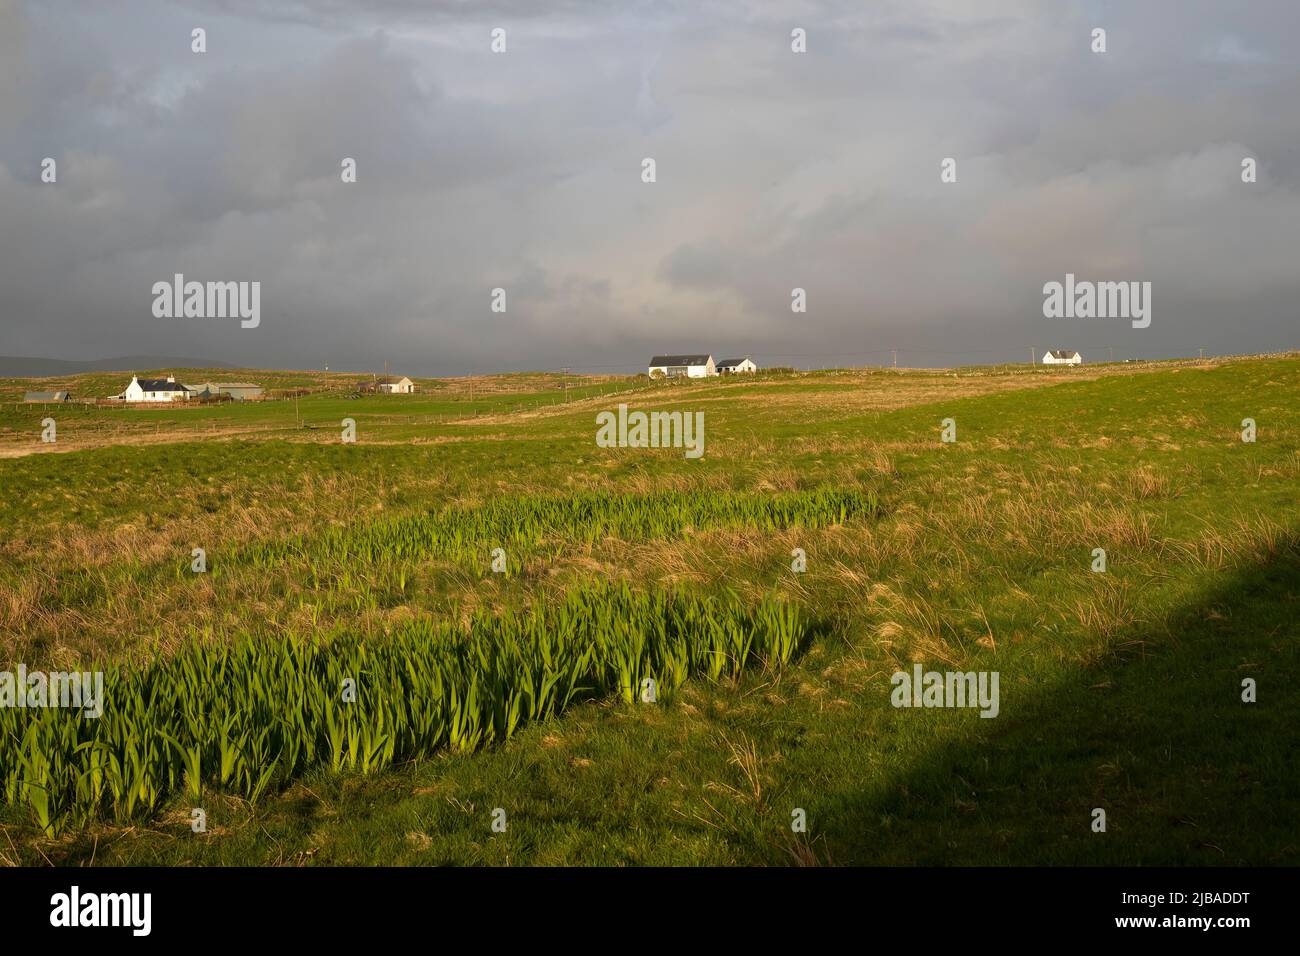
column 522, row 689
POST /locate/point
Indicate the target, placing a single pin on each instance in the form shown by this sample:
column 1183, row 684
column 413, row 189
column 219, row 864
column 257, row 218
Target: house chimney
column 171, row 378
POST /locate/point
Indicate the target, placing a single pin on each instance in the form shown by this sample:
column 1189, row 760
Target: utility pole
column 1032, row 357
column 566, row 385
column 1202, row 355
column 895, row 351
column 1111, row 349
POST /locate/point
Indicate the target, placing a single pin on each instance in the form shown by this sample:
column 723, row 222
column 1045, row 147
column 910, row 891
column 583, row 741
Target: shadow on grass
column 1156, row 734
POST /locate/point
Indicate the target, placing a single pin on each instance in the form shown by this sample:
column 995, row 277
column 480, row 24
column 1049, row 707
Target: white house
column 399, row 386
column 155, row 390
column 1062, row 358
column 687, row 366
column 732, row 366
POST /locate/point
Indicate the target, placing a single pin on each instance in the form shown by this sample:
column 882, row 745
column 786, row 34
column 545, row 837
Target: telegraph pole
column 1032, row 358
column 1202, row 355
column 1111, row 349
column 895, row 351
column 566, row 385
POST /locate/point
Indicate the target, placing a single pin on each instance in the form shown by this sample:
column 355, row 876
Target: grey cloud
column 775, row 171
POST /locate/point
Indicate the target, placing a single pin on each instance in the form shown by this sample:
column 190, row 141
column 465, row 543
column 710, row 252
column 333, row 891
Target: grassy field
column 521, row 690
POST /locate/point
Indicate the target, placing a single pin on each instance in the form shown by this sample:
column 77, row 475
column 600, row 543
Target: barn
column 47, row 397
column 239, row 391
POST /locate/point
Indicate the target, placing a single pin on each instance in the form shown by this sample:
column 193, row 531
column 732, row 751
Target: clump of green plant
column 527, row 521
column 249, row 716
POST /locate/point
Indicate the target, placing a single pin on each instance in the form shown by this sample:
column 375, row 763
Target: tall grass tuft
column 527, row 522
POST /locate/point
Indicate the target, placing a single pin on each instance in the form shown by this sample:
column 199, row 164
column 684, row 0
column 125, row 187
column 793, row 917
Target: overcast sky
column 522, row 170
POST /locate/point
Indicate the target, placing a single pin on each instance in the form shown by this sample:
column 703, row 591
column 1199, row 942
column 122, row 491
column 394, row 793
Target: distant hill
column 12, row 366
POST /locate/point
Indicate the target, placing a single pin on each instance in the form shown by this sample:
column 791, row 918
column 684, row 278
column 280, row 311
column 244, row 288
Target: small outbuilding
column 397, row 386
column 387, row 385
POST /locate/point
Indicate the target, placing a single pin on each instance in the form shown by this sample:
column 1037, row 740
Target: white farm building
column 686, row 366
column 1061, row 357
column 398, row 386
column 387, row 386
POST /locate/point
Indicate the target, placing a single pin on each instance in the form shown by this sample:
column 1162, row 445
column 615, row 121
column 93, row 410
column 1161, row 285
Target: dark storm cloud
column 522, row 171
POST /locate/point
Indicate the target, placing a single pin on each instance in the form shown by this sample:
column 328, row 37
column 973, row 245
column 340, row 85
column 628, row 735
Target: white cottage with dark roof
column 684, row 366
column 732, row 366
column 1062, row 357
column 155, row 390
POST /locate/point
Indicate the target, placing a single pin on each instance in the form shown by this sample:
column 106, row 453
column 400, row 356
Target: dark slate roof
column 1062, row 354
column 160, row 385
column 679, row 360
column 45, row 396
column 728, row 363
